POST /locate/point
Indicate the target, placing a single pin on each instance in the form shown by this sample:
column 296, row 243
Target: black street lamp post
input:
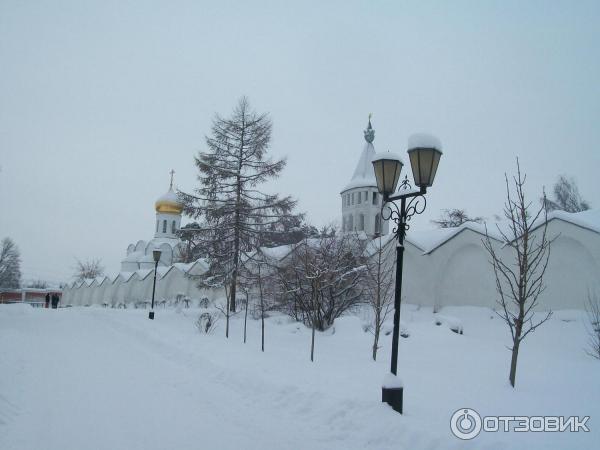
column 156, row 256
column 424, row 157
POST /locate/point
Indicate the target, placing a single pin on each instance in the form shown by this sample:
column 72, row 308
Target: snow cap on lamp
column 424, row 151
column 387, row 167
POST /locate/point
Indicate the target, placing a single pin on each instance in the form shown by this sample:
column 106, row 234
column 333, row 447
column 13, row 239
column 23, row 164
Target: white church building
column 132, row 286
column 168, row 222
column 442, row 267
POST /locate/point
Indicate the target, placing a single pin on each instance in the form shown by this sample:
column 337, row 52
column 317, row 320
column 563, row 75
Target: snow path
column 116, row 386
column 91, row 378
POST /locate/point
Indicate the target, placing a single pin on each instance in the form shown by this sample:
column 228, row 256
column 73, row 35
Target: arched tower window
column 164, row 226
column 350, row 222
column 173, row 227
column 378, row 223
column 361, row 222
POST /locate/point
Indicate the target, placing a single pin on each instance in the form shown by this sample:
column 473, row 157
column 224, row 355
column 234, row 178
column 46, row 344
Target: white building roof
column 429, row 240
column 364, row 175
column 589, row 219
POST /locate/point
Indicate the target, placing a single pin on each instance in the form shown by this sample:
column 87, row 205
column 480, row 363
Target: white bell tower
column 361, row 201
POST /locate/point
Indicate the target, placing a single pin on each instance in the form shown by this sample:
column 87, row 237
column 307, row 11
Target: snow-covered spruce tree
column 320, row 280
column 520, row 279
column 10, row 264
column 193, row 246
column 229, row 203
column 379, row 280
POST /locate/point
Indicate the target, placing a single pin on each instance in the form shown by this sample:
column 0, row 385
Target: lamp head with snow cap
column 156, row 255
column 387, row 168
column 424, row 152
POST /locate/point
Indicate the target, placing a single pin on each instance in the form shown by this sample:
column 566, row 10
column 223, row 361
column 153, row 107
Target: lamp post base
column 151, row 315
column 393, row 397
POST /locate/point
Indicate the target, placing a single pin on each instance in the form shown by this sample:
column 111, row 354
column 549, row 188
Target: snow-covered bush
column 451, row 322
column 207, row 322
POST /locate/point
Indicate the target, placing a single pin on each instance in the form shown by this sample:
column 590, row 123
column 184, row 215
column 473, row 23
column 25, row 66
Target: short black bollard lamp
column 424, row 152
column 156, row 256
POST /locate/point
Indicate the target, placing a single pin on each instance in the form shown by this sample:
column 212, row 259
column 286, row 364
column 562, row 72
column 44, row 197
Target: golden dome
column 169, row 203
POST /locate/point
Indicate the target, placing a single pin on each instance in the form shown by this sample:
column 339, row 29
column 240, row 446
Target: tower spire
column 369, row 132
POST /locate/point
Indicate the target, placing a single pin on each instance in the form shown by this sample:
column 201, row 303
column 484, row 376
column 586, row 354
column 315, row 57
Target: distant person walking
column 55, row 301
column 47, row 300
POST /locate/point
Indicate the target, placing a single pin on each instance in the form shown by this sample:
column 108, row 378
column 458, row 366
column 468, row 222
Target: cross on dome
column 169, row 202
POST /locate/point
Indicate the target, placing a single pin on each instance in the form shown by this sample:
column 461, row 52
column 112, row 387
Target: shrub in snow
column 388, row 328
column 207, row 322
column 204, row 302
column 178, row 300
column 451, row 322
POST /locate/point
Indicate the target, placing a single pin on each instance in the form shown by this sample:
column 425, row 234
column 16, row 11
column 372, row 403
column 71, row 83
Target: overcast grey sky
column 99, row 100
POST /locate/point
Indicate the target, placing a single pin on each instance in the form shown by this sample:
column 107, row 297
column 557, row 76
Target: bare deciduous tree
column 451, row 218
column 320, row 281
column 592, row 309
column 379, row 278
column 256, row 280
column 89, row 269
column 566, row 197
column 520, row 280
column 10, row 264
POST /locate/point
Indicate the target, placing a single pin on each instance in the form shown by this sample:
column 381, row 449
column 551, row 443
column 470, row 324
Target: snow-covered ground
column 92, row 378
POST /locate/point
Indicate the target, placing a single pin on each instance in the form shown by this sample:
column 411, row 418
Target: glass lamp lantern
column 387, row 168
column 424, row 152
